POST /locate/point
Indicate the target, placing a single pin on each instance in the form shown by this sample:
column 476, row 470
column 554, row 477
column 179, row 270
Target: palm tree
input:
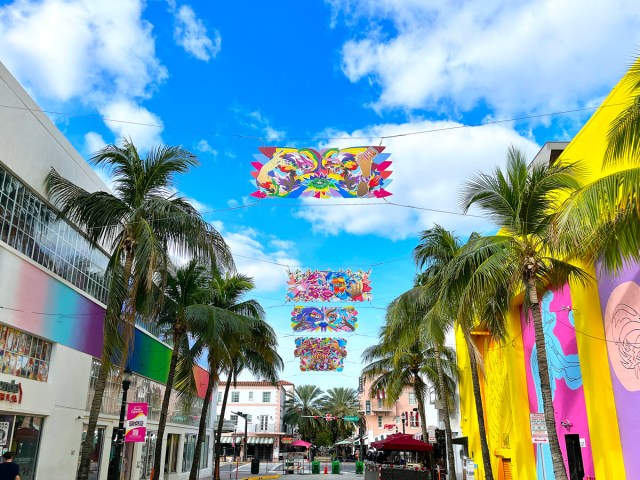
column 523, row 256
column 303, row 403
column 340, row 402
column 185, row 290
column 602, row 218
column 141, row 222
column 401, row 359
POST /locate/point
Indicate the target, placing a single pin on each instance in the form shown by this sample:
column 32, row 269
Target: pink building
column 263, row 405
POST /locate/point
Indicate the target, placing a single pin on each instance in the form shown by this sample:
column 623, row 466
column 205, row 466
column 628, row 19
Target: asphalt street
column 231, row 471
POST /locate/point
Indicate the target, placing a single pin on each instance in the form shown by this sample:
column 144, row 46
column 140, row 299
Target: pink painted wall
column 565, row 375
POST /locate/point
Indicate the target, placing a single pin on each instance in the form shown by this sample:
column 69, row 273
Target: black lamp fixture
column 245, row 416
column 118, row 438
column 404, row 419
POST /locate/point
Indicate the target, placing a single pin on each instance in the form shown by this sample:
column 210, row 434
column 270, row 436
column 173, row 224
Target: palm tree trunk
column 543, row 372
column 451, row 470
column 223, row 407
column 484, row 446
column 202, row 429
column 164, row 410
column 96, row 403
column 98, row 393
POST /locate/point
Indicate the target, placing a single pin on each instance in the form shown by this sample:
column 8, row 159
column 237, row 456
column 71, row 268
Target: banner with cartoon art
column 321, row 354
column 324, row 319
column 329, row 286
column 356, row 172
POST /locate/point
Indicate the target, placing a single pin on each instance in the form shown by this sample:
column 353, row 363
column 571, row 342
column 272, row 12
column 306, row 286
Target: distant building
column 264, row 404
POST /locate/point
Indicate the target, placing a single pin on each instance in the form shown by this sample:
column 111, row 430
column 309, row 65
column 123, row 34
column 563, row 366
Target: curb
column 264, row 477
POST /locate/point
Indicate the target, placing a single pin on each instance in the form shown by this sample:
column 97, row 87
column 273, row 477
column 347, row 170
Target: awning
column 250, row 440
column 344, row 442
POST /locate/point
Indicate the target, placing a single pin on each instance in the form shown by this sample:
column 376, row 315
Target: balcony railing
column 262, row 428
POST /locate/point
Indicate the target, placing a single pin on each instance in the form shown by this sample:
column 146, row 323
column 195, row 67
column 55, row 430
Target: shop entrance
column 21, row 434
column 574, row 457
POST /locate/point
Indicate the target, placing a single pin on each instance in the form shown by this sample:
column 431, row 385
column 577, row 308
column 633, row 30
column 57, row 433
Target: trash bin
column 335, row 467
column 315, row 467
column 359, row 468
column 255, row 465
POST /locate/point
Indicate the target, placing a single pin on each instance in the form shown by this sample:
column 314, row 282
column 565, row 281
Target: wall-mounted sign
column 538, row 428
column 431, row 430
column 286, row 440
column 136, row 423
column 389, row 426
column 4, row 433
column 11, row 392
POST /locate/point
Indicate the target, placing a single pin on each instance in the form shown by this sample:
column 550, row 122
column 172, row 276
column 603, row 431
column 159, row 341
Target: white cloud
column 93, row 142
column 257, row 121
column 203, row 147
column 428, row 171
column 137, row 125
column 534, row 56
column 191, row 34
column 82, row 49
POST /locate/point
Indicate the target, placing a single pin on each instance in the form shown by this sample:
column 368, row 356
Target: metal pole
column 114, row 474
column 245, row 436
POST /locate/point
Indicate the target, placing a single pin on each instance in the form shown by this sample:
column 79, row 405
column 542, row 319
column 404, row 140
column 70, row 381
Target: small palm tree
column 140, row 223
column 340, row 402
column 301, row 405
column 521, row 201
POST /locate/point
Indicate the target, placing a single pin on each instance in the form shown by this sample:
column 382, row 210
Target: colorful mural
column 620, row 301
column 323, row 319
column 566, row 378
column 329, row 286
column 321, row 354
column 305, row 172
column 38, row 303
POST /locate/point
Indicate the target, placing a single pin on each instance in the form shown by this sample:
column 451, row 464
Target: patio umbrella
column 300, row 443
column 402, row 443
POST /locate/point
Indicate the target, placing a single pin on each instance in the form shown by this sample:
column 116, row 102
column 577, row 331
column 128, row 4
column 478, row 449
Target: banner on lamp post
column 135, row 429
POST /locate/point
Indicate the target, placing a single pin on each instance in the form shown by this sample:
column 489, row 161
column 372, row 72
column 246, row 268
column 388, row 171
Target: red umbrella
column 403, row 443
column 300, row 443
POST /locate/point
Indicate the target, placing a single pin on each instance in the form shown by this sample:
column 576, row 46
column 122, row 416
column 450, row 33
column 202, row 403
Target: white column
column 180, row 453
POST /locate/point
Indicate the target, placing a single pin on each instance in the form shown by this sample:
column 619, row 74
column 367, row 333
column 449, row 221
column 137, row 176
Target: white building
column 263, row 404
column 51, row 312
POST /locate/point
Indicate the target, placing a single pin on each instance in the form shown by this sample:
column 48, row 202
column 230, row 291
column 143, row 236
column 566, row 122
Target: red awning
column 402, row 442
column 300, row 443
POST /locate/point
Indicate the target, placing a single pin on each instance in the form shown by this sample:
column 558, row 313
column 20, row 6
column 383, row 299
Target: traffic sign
column 328, row 416
column 351, row 418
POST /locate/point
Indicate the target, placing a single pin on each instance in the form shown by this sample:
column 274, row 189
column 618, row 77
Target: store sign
column 286, row 440
column 431, row 430
column 389, row 426
column 136, row 423
column 538, row 428
column 11, row 392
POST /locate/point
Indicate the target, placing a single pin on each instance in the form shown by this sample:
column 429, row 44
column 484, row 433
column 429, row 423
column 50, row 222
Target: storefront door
column 148, row 452
column 96, row 452
column 21, row 434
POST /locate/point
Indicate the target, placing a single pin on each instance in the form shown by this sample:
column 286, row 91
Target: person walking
column 8, row 469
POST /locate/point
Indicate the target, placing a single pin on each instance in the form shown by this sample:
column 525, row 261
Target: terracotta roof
column 255, row 383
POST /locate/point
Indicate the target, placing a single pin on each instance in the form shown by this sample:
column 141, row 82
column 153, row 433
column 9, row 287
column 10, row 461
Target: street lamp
column 245, row 416
column 404, row 419
column 114, row 474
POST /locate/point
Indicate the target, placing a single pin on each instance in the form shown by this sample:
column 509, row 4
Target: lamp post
column 404, row 419
column 245, row 416
column 114, row 474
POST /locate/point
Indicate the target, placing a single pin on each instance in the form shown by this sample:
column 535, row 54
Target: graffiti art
column 321, row 354
column 324, row 319
column 329, row 286
column 304, row 172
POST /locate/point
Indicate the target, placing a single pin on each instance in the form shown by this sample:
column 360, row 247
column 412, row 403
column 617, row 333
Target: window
column 367, row 407
column 189, row 450
column 24, row 355
column 414, row 419
column 432, row 395
column 412, row 398
column 379, row 421
column 171, row 457
column 264, row 422
column 219, row 397
column 266, row 397
column 234, row 419
column 235, row 397
column 251, row 396
column 204, row 453
column 380, row 403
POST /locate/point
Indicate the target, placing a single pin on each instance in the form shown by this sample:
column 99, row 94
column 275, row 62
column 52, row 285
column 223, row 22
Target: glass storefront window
column 96, row 452
column 189, row 450
column 171, row 455
column 25, row 440
column 148, row 454
column 24, row 355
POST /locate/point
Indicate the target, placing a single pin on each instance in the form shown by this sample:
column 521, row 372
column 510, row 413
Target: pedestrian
column 8, row 469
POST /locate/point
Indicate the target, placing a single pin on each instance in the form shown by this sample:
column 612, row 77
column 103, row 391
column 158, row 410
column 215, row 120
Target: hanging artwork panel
column 328, row 286
column 355, row 172
column 324, row 319
column 321, row 354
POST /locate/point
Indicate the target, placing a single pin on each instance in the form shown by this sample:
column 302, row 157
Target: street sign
column 351, row 418
column 538, row 428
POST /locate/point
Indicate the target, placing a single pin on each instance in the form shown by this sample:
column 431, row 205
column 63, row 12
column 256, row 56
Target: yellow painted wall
column 505, row 384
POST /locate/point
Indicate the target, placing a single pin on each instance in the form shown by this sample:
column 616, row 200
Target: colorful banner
column 136, row 423
column 305, row 172
column 321, row 354
column 322, row 319
column 329, row 286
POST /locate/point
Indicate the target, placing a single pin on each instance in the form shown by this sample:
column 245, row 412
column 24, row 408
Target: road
column 228, row 470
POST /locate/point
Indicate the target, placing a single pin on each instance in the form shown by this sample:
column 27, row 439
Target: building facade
column 52, row 304
column 263, row 404
column 591, row 333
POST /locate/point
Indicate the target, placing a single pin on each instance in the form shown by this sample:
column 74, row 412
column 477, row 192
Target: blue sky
column 223, row 78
